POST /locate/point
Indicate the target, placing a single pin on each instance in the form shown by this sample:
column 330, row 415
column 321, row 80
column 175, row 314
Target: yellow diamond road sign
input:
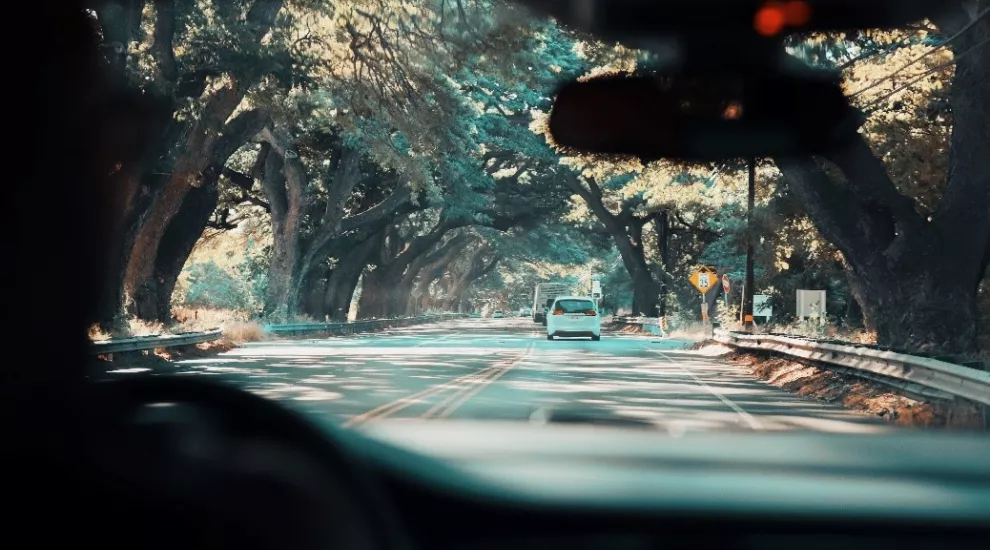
column 703, row 279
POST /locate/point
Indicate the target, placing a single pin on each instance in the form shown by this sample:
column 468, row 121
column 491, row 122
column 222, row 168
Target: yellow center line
column 461, row 386
column 406, row 401
column 482, row 384
column 477, row 378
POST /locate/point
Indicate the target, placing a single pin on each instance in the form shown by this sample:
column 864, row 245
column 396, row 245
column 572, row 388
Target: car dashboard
column 514, row 485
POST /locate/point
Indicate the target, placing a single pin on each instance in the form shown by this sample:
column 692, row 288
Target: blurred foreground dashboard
column 514, row 485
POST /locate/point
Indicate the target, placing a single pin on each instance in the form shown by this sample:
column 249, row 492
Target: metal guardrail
column 366, row 325
column 922, row 375
column 155, row 341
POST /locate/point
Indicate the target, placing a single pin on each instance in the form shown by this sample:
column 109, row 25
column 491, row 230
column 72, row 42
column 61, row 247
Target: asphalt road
column 505, row 369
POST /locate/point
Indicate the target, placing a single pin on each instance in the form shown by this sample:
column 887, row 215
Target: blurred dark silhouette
column 70, row 128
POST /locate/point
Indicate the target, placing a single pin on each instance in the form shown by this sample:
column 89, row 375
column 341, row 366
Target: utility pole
column 662, row 224
column 747, row 306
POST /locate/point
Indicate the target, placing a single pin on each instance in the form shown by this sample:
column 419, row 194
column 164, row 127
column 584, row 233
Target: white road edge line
column 753, row 422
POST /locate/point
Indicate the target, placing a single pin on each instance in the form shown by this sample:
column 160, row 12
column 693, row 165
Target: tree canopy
column 393, row 156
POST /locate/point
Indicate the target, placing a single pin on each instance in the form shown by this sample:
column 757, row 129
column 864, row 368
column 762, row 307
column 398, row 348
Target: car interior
column 181, row 462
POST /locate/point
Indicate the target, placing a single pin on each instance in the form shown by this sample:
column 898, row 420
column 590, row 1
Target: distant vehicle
column 526, row 312
column 498, row 314
column 543, row 298
column 574, row 316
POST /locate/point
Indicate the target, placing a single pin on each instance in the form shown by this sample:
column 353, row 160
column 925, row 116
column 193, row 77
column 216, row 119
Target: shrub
column 210, row 286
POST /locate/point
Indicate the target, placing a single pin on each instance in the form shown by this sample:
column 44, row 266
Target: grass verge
column 859, row 394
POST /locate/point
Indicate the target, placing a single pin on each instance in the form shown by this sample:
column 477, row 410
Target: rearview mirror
column 702, row 117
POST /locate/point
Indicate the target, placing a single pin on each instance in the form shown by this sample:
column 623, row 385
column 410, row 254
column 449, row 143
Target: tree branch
column 239, row 131
column 397, row 198
column 161, row 49
column 239, row 179
column 833, row 209
column 255, row 201
column 695, row 228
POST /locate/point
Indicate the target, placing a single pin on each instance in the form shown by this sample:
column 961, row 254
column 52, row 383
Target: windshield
column 573, row 306
column 365, row 198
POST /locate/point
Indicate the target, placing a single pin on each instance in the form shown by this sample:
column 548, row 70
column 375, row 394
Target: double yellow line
column 462, row 389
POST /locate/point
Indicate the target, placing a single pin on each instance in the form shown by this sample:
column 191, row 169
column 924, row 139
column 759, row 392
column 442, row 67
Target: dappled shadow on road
column 679, row 392
column 407, row 373
column 347, row 376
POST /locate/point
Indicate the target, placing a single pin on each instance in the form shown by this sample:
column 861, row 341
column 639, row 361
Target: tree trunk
column 916, row 278
column 930, row 309
column 282, row 294
column 859, row 298
column 428, row 268
column 151, row 294
column 178, row 242
column 374, row 294
column 645, row 288
column 190, row 149
column 284, row 183
column 383, row 294
column 340, row 291
column 194, row 156
column 339, row 297
column 644, row 295
column 388, row 277
column 627, row 232
column 663, row 247
column 344, row 279
column 312, row 300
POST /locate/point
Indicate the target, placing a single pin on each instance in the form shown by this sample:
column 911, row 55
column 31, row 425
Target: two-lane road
column 506, row 370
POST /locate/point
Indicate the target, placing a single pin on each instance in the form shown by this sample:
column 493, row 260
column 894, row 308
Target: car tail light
column 591, row 312
column 558, row 312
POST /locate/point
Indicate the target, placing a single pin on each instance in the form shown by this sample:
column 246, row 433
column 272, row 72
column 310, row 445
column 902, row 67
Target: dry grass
column 243, row 331
column 813, row 330
column 859, row 394
column 691, row 333
column 203, row 319
column 236, row 326
column 134, row 327
column 96, row 334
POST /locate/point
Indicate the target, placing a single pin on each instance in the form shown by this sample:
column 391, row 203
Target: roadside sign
column 761, row 305
column 703, row 279
column 725, row 283
column 810, row 303
column 596, row 289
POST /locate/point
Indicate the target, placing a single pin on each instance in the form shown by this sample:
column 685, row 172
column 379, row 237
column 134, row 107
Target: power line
column 968, row 26
column 926, row 73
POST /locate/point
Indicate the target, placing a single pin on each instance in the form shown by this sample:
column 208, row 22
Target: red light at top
column 773, row 16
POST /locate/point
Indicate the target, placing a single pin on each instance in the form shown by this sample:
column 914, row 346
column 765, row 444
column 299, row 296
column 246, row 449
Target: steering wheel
column 251, row 473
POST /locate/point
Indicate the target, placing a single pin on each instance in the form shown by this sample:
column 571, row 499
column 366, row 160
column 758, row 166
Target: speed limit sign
column 703, row 279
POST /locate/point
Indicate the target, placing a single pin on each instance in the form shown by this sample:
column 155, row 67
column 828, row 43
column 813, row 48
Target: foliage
column 212, row 287
column 449, row 100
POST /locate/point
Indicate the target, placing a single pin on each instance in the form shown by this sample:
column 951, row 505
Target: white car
column 498, row 314
column 574, row 316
